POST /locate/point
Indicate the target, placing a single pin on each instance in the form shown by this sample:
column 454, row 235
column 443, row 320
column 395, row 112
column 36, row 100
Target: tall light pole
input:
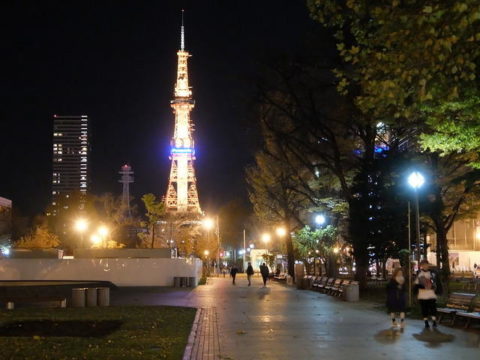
column 81, row 225
column 416, row 180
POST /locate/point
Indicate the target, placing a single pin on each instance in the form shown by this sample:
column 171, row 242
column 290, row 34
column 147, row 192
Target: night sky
column 115, row 61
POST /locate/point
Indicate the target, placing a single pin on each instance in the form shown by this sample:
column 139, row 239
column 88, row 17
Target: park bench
column 319, row 280
column 323, row 287
column 330, row 289
column 473, row 312
column 456, row 303
column 10, row 301
column 339, row 292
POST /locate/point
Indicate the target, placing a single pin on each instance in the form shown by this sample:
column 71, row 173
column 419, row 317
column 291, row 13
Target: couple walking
column 263, row 271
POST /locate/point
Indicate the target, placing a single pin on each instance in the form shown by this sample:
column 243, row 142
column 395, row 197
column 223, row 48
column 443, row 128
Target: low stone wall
column 121, row 272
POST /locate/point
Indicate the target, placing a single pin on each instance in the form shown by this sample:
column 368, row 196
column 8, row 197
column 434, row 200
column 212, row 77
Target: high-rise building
column 182, row 195
column 70, row 161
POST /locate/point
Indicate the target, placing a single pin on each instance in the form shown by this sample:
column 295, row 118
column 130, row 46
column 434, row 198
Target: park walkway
column 280, row 322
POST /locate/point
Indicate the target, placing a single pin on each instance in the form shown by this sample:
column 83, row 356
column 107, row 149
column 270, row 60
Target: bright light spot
column 206, row 252
column 5, row 251
column 241, row 252
column 336, row 250
column 251, row 246
column 81, row 225
column 281, row 231
column 95, row 239
column 416, row 180
column 266, row 237
column 380, row 125
column 207, row 223
column 227, row 253
column 103, row 231
column 320, row 219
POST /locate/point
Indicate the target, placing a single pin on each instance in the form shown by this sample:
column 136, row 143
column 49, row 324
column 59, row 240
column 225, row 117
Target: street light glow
column 251, row 246
column 95, row 239
column 103, row 231
column 208, row 223
column 416, row 180
column 320, row 219
column 281, row 231
column 81, row 225
column 206, row 252
column 266, row 237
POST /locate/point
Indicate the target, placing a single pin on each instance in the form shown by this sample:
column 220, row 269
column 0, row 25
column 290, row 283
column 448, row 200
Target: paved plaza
column 280, row 322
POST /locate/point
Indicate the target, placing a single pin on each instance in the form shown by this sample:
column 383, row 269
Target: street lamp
column 416, row 180
column 320, row 219
column 103, row 232
column 281, row 231
column 81, row 225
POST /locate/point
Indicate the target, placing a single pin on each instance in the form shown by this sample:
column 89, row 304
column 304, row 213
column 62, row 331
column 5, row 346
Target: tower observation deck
column 182, row 194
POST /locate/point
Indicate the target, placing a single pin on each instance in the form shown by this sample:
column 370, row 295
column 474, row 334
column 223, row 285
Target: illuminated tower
column 126, row 179
column 182, row 195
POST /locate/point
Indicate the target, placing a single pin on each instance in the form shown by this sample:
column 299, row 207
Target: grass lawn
column 135, row 332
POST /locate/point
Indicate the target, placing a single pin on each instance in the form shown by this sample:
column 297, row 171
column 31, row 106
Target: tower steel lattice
column 126, row 179
column 182, row 194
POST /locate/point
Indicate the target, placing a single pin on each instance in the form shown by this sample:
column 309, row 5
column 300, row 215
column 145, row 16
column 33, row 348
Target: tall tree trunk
column 153, row 235
column 290, row 255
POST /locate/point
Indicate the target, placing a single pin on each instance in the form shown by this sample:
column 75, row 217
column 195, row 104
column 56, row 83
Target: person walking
column 250, row 272
column 396, row 297
column 265, row 272
column 233, row 273
column 428, row 286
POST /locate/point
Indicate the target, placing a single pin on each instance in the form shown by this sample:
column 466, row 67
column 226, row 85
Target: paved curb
column 187, row 355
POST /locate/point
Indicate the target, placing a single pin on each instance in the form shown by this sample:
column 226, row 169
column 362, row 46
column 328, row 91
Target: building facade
column 70, row 175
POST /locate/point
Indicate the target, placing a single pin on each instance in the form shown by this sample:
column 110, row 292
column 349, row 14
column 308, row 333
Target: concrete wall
column 121, row 272
column 122, row 253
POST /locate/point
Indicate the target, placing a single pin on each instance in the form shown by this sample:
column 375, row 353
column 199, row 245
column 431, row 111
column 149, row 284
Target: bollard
column 78, row 297
column 91, row 297
column 103, row 296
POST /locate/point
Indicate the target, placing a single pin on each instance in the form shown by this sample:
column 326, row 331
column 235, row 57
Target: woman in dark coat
column 396, row 297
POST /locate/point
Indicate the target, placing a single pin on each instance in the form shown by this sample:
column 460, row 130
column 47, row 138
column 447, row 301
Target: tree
column 317, row 243
column 271, row 191
column 413, row 64
column 155, row 211
column 41, row 237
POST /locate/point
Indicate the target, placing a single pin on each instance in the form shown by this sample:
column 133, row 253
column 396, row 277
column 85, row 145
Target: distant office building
column 70, row 162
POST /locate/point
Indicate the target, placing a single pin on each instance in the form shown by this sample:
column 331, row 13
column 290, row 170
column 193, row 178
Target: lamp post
column 81, row 225
column 416, row 180
column 103, row 232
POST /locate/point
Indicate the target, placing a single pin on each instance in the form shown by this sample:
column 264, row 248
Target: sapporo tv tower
column 182, row 195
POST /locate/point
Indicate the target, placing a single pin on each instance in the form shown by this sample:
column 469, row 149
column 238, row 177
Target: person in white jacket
column 427, row 284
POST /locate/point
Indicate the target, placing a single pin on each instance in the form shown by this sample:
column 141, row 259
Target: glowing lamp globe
column 416, row 180
column 320, row 219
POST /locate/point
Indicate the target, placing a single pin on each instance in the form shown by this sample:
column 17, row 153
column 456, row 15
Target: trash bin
column 91, row 297
column 352, row 293
column 103, row 296
column 78, row 297
column 299, row 275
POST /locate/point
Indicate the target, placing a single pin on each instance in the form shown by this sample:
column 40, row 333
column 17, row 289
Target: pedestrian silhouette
column 250, row 272
column 265, row 272
column 233, row 273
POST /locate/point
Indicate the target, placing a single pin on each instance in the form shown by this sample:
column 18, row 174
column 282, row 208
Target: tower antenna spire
column 182, row 35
